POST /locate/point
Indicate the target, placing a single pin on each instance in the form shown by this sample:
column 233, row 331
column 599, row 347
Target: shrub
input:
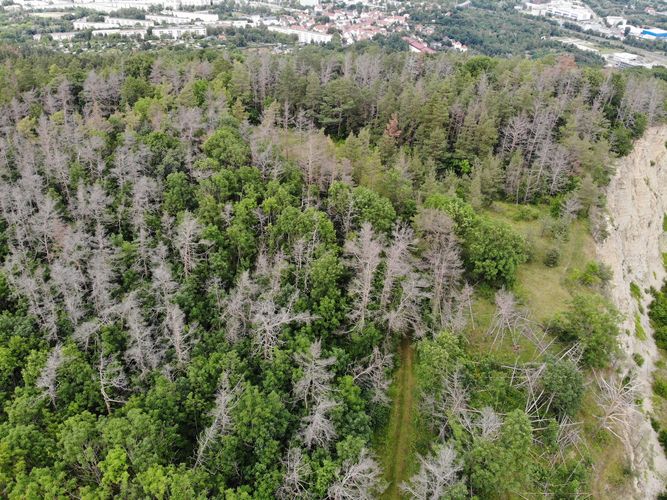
column 593, row 322
column 660, row 336
column 660, row 387
column 565, row 384
column 556, row 228
column 639, row 329
column 552, row 257
column 594, row 274
column 638, row 358
column 526, row 213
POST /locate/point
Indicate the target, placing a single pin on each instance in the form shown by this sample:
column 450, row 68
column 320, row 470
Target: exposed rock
column 636, row 204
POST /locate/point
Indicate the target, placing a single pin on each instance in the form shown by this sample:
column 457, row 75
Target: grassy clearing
column 545, row 291
column 398, row 449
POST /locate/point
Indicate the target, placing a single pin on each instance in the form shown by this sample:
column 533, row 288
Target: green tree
column 227, row 147
column 592, row 322
column 493, row 252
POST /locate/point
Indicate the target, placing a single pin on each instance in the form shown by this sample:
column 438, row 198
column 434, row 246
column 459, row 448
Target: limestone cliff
column 636, row 204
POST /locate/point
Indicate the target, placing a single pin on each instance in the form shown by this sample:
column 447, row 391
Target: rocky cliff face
column 636, row 204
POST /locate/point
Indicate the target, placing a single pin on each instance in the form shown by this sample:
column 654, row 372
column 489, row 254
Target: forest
column 215, row 264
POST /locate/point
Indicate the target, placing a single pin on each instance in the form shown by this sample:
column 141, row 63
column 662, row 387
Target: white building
column 67, row 35
column 126, row 33
column 84, row 24
column 571, row 10
column 160, row 19
column 120, row 21
column 303, row 35
column 179, row 32
column 204, row 17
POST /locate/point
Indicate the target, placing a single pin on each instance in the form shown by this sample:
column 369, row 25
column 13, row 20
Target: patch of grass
column 635, row 291
column 639, row 329
column 664, row 222
column 545, row 290
column 638, row 359
column 398, row 450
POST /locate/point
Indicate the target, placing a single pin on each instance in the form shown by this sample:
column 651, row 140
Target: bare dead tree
column 437, row 474
column 317, row 429
column 316, row 377
column 129, row 160
column 112, row 380
column 488, row 423
column 360, row 480
column 441, row 261
column 177, row 333
column 406, row 316
column 48, row 377
column 226, row 398
column 101, row 275
column 237, row 307
column 69, row 282
column 187, row 239
column 297, row 470
column 398, row 261
column 617, row 398
column 365, row 253
column 143, row 351
column 511, row 319
column 373, row 374
column 268, row 319
column 450, row 402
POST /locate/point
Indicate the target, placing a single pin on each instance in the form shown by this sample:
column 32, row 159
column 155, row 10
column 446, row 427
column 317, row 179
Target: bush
column 638, row 358
column 639, row 329
column 526, row 213
column 552, row 257
column 556, row 228
column 660, row 336
column 593, row 322
column 660, row 387
column 594, row 274
column 565, row 384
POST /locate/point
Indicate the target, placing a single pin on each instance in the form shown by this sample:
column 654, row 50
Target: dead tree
column 226, row 399
column 316, row 377
column 360, row 480
column 317, row 429
column 143, row 351
column 112, row 379
column 236, row 312
column 268, row 319
column 48, row 377
column 437, row 475
column 617, row 398
column 297, row 470
column 373, row 374
column 441, row 261
column 365, row 253
column 187, row 238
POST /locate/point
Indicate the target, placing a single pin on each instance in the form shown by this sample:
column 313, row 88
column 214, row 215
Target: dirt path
column 401, row 425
